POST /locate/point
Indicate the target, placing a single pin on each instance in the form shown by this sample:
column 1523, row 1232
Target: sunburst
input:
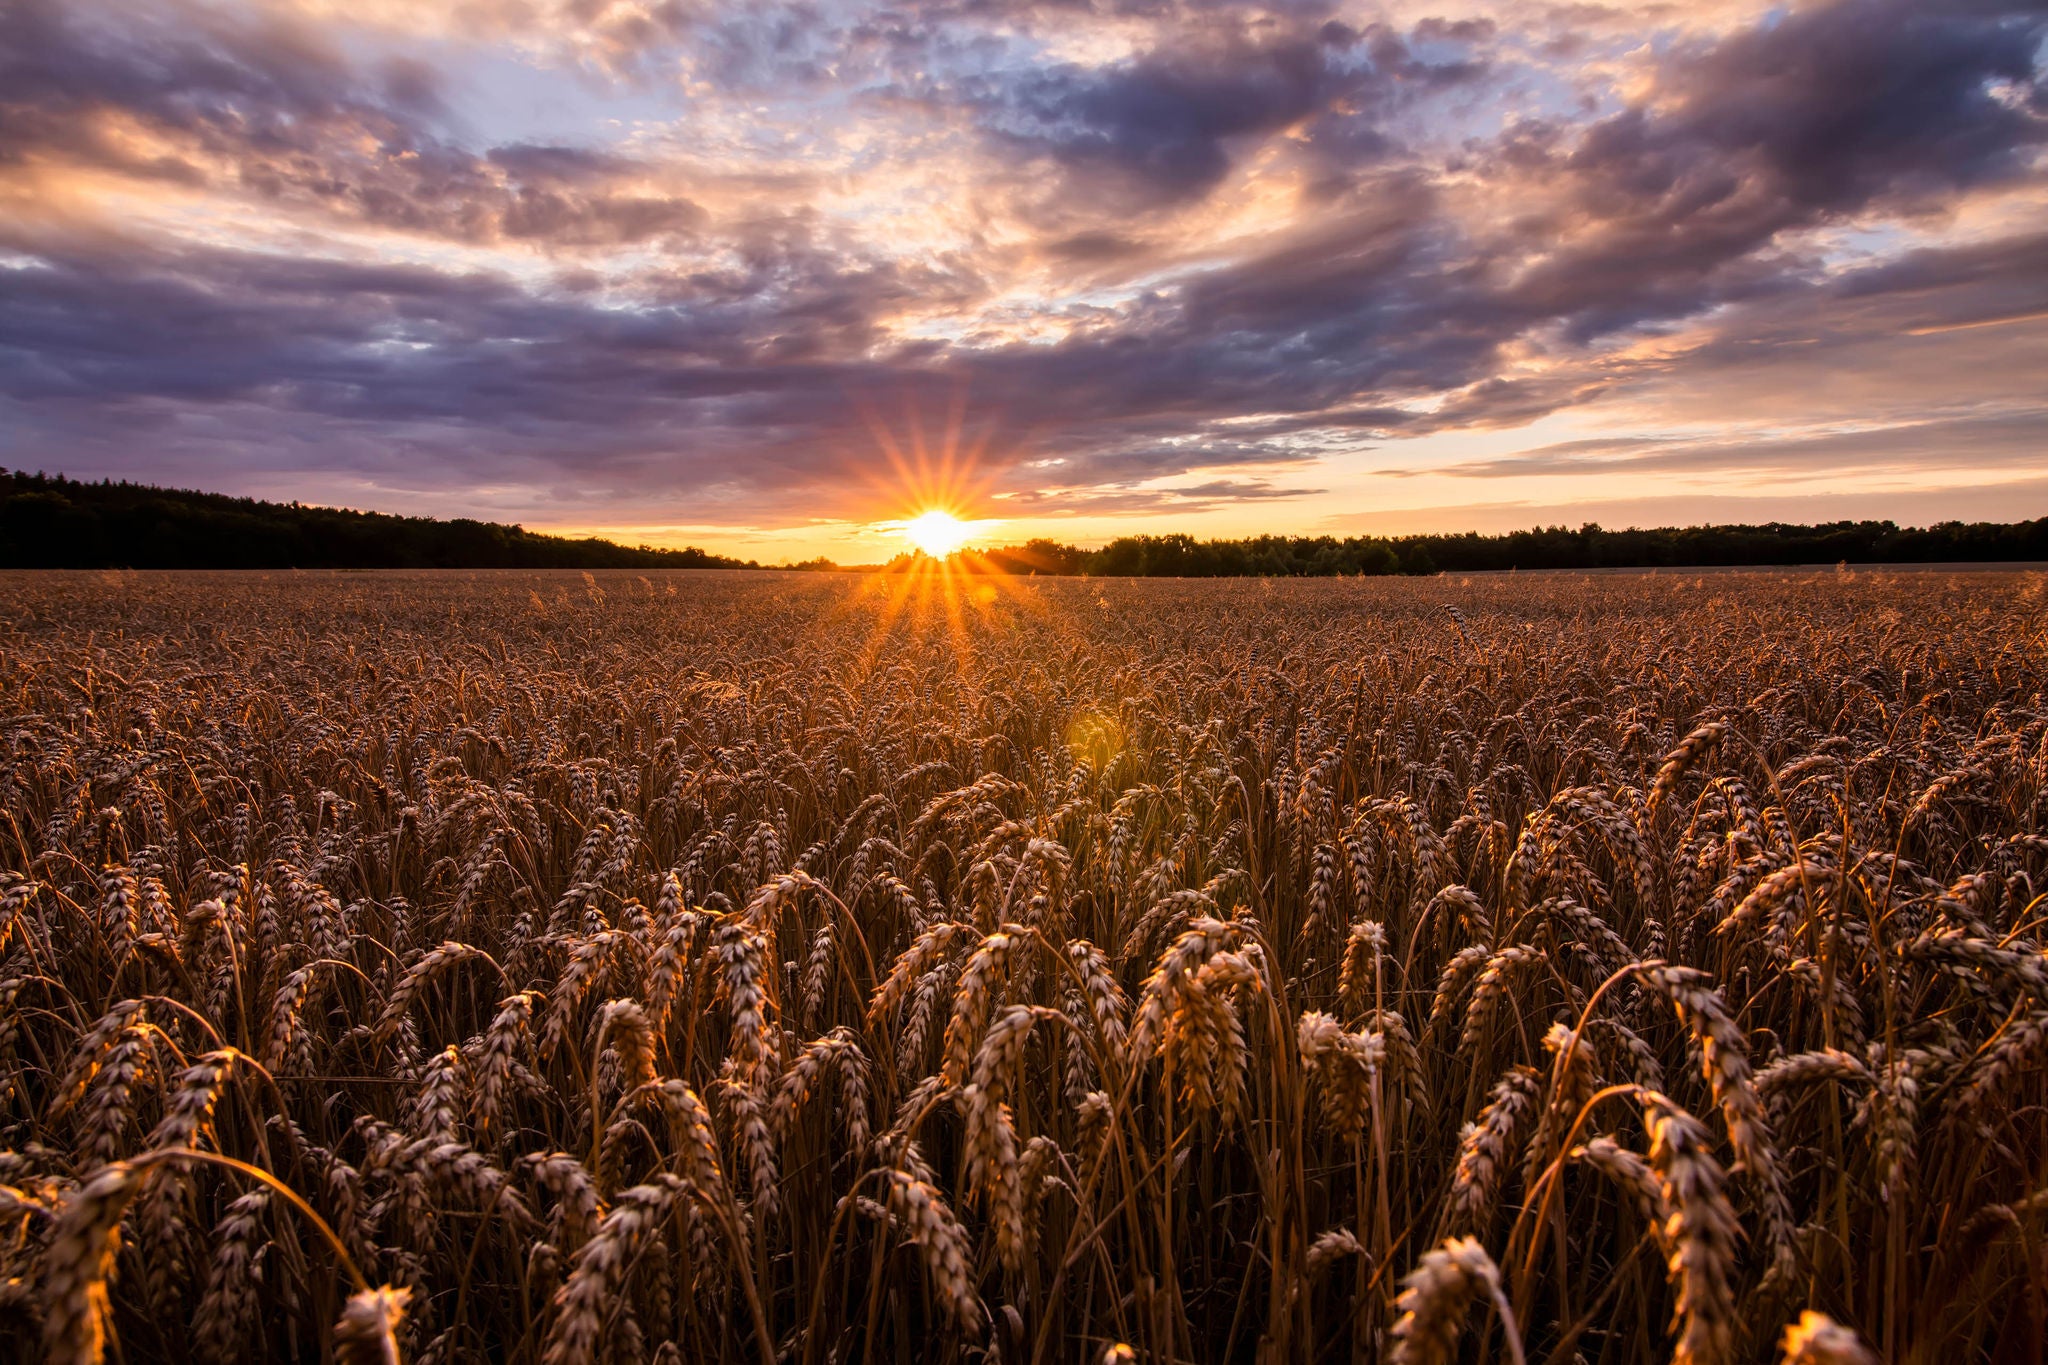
column 938, row 532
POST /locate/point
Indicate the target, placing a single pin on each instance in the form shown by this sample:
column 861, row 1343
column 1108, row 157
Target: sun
column 937, row 532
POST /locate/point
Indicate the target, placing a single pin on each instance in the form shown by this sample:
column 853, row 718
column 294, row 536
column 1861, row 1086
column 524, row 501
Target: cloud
column 179, row 94
column 1187, row 500
column 1159, row 128
column 1154, row 241
column 1679, row 202
column 2002, row 440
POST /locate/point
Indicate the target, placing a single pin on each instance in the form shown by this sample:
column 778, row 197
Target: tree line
column 1551, row 547
column 49, row 521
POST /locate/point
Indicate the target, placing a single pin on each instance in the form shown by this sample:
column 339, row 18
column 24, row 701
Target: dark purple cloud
column 1826, row 113
column 1160, row 128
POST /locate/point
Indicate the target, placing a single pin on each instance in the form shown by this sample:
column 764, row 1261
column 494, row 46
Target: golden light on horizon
column 937, row 532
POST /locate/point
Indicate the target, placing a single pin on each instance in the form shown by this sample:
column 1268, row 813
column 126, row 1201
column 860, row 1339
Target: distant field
column 1800, row 570
column 818, row 967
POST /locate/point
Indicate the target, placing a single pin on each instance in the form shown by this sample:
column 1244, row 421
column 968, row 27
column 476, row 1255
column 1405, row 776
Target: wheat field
column 825, row 968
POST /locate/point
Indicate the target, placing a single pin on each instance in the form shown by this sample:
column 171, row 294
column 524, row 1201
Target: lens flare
column 938, row 532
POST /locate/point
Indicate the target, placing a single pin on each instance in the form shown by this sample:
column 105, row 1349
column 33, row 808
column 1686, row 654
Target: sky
column 769, row 277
